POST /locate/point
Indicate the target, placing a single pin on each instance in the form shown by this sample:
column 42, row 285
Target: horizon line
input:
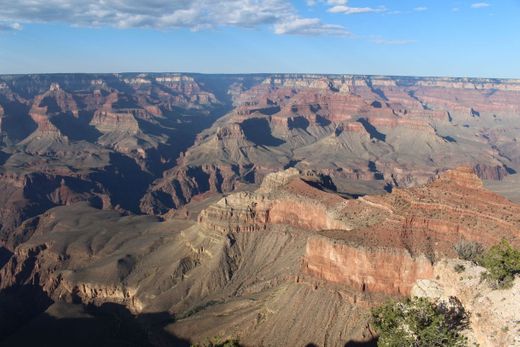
column 259, row 74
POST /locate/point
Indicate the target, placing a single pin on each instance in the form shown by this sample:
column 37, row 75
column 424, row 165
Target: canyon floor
column 169, row 209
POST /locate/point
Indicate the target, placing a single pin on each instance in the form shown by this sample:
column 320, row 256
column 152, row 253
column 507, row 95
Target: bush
column 419, row 322
column 502, row 262
column 468, row 250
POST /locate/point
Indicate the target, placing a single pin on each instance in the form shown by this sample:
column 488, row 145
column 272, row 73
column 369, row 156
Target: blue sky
column 430, row 37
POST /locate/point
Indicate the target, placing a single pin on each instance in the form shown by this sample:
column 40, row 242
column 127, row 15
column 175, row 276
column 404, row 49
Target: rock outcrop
column 494, row 314
column 320, row 196
column 106, row 121
column 96, row 133
column 379, row 244
column 360, row 130
column 254, row 258
column 371, row 270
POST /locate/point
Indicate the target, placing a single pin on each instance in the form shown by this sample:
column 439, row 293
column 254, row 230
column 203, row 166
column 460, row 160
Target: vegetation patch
column 419, row 322
column 502, row 263
column 468, row 250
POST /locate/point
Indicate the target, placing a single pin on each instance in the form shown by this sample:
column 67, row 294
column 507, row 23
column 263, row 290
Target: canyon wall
column 388, row 271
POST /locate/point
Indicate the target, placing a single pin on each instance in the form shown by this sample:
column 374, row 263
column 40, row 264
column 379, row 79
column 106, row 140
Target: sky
column 408, row 37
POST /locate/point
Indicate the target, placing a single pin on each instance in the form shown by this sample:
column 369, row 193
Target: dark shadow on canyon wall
column 5, row 255
column 371, row 130
column 3, row 157
column 370, row 343
column 352, row 343
column 19, row 305
column 257, row 130
column 28, row 317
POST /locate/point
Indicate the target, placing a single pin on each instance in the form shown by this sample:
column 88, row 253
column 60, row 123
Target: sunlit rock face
column 379, row 131
column 274, row 202
column 388, row 271
column 293, row 245
column 379, row 244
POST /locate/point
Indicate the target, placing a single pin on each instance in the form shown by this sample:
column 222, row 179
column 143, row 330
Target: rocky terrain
column 173, row 137
column 97, row 138
column 258, row 265
column 494, row 314
column 167, row 209
column 367, row 133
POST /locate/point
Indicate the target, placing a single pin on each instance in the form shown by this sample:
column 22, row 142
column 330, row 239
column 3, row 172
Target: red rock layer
column 379, row 244
column 377, row 270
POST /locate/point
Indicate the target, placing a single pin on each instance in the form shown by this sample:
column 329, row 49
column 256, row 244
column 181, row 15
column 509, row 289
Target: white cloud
column 420, row 9
column 309, row 26
column 354, row 10
column 341, row 6
column 480, row 5
column 10, row 26
column 165, row 14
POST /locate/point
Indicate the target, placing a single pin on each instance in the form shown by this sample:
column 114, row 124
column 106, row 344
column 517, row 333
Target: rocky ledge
column 377, row 244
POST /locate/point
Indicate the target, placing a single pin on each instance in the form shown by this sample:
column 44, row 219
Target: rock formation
column 372, row 131
column 273, row 201
column 254, row 258
column 95, row 134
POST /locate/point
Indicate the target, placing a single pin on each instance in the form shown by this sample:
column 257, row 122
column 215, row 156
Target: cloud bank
column 280, row 15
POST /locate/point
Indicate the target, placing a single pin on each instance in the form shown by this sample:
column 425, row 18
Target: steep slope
column 291, row 263
column 110, row 132
column 96, row 138
column 370, row 132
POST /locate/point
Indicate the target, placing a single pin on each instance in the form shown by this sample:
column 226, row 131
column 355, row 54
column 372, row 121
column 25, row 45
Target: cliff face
column 182, row 136
column 316, row 242
column 379, row 244
column 106, row 121
column 387, row 271
column 283, row 199
column 97, row 138
column 281, row 258
column 378, row 131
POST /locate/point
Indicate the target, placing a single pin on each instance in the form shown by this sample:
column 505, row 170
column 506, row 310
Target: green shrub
column 419, row 322
column 502, row 263
column 468, row 250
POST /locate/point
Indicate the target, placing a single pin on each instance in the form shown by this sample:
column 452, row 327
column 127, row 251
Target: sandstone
column 278, row 197
column 410, row 126
column 111, row 121
column 252, row 255
column 388, row 271
column 380, row 244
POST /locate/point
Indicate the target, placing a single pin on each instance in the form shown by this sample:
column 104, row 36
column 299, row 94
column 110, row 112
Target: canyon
column 274, row 209
column 249, row 261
